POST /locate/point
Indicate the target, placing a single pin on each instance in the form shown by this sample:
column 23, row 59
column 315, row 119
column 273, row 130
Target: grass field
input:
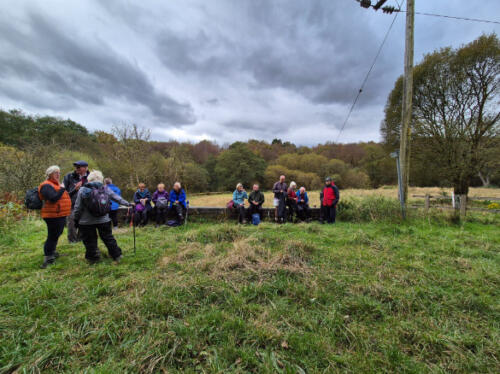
column 356, row 298
column 387, row 191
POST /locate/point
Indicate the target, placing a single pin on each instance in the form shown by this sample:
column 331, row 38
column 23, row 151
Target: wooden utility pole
column 405, row 135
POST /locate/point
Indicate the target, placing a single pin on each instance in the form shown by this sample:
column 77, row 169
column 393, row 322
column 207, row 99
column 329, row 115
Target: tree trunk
column 461, row 186
column 485, row 180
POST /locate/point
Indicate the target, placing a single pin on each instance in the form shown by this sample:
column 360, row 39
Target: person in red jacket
column 331, row 197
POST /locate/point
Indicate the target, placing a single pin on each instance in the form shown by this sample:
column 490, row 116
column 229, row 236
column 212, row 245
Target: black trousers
column 303, row 211
column 113, row 214
column 329, row 213
column 141, row 218
column 255, row 209
column 161, row 214
column 89, row 237
column 241, row 212
column 179, row 211
column 55, row 228
column 292, row 208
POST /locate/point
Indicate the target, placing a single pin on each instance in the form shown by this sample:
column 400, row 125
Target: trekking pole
column 187, row 212
column 132, row 222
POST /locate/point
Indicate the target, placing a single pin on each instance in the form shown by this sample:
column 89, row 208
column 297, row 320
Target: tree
column 238, row 164
column 455, row 112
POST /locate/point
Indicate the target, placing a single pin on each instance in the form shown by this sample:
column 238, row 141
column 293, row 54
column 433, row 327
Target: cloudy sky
column 223, row 70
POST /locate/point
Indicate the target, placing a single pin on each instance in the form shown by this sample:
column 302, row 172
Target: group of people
column 88, row 204
column 290, row 203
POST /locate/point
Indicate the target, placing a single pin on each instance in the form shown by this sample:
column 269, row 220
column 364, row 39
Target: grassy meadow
column 420, row 297
column 218, row 200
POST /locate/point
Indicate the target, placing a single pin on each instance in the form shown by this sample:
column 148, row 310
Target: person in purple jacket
column 161, row 199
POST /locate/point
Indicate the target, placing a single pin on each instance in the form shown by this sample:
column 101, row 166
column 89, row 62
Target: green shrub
column 368, row 209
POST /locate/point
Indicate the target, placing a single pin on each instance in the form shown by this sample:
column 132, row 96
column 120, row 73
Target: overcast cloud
column 223, row 70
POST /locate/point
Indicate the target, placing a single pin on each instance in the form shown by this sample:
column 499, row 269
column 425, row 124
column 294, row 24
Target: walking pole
column 187, row 212
column 132, row 222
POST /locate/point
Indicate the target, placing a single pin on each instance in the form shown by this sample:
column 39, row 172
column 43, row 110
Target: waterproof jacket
column 331, row 195
column 239, row 197
column 116, row 190
column 278, row 187
column 69, row 183
column 291, row 194
column 160, row 195
column 256, row 196
column 302, row 199
column 178, row 196
column 81, row 212
column 56, row 200
column 138, row 195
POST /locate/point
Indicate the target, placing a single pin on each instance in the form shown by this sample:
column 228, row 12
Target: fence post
column 463, row 205
column 427, row 202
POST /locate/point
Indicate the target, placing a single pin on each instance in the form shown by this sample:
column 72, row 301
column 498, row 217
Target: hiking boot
column 118, row 259
column 47, row 261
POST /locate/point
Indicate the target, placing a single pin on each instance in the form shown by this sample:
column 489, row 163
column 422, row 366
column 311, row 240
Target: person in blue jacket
column 142, row 200
column 239, row 197
column 113, row 213
column 303, row 210
column 178, row 202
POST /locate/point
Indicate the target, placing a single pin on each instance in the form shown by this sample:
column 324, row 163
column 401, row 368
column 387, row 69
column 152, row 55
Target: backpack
column 161, row 202
column 32, row 199
column 230, row 205
column 255, row 219
column 98, row 203
column 139, row 207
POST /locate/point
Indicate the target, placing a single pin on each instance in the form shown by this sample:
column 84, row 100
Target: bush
column 368, row 209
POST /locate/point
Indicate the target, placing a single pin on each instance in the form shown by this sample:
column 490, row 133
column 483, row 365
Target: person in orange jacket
column 56, row 207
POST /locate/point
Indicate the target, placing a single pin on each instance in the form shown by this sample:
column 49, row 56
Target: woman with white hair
column 91, row 213
column 56, row 207
column 239, row 196
column 291, row 201
column 177, row 197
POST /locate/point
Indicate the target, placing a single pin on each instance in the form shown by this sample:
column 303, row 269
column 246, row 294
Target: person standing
column 113, row 213
column 73, row 182
column 177, row 198
column 255, row 201
column 160, row 199
column 55, row 210
column 303, row 210
column 280, row 189
column 239, row 196
column 92, row 220
column 331, row 197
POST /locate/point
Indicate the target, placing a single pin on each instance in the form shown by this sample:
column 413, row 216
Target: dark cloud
column 86, row 71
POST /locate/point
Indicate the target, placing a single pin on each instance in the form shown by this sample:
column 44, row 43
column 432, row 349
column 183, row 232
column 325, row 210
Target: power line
column 368, row 74
column 452, row 17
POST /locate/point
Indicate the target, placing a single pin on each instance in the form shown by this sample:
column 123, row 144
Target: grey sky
column 224, row 70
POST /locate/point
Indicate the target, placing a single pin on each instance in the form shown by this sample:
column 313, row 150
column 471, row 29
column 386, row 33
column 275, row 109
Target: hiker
column 291, row 200
column 280, row 188
column 239, row 196
column 178, row 202
column 255, row 201
column 55, row 210
column 303, row 210
column 72, row 182
column 92, row 218
column 329, row 202
column 113, row 213
column 160, row 199
column 142, row 200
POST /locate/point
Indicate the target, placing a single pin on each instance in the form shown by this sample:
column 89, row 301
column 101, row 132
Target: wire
column 452, row 17
column 368, row 74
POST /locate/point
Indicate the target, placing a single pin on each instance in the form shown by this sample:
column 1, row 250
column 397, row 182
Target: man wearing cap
column 330, row 199
column 72, row 182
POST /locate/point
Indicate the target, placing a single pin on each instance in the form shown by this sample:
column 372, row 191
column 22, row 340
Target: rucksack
column 230, row 204
column 32, row 199
column 161, row 202
column 98, row 203
column 255, row 219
